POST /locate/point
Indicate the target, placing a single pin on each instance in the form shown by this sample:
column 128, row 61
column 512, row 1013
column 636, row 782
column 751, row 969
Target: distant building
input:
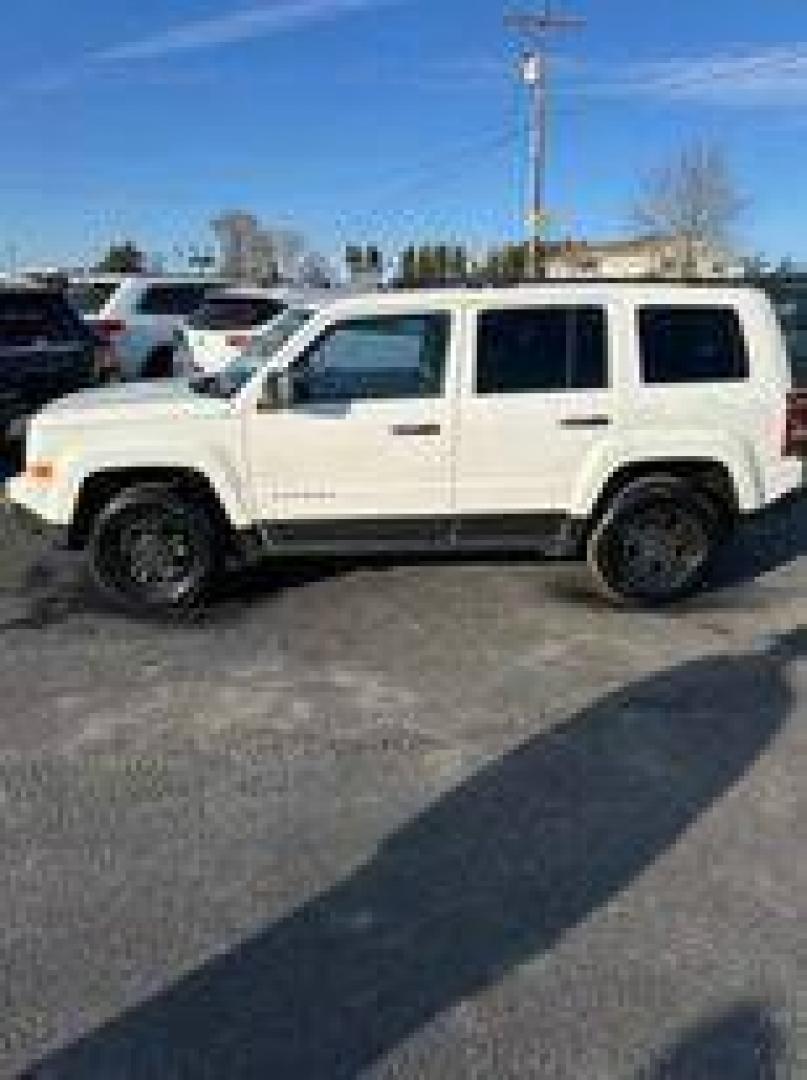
column 665, row 257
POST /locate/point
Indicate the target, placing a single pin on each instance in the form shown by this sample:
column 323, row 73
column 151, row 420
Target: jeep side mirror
column 276, row 394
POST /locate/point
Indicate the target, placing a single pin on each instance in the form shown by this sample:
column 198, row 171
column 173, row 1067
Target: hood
column 149, row 400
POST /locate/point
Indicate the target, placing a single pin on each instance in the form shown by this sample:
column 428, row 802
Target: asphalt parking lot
column 437, row 819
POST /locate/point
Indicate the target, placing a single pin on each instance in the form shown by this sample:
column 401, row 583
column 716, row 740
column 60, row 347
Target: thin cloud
column 775, row 75
column 202, row 34
column 238, row 26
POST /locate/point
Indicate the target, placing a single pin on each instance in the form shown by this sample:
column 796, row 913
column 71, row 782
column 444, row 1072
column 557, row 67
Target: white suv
column 138, row 316
column 632, row 424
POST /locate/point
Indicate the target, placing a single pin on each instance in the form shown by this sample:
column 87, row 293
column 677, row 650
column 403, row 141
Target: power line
column 429, row 176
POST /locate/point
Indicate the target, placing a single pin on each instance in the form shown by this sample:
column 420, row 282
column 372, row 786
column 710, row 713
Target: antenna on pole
column 536, row 30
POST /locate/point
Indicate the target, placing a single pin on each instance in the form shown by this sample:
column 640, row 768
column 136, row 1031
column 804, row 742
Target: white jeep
column 632, row 424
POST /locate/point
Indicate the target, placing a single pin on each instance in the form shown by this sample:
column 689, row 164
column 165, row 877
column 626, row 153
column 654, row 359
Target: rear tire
column 154, row 551
column 654, row 543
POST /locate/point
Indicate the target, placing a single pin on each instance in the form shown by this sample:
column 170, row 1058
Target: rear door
column 535, row 403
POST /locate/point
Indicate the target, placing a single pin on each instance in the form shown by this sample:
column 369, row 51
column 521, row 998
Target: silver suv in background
column 138, row 316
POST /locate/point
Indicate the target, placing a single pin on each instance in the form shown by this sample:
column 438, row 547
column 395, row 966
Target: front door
column 366, row 438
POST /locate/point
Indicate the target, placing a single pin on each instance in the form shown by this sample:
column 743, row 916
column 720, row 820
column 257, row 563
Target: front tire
column 654, row 543
column 153, row 551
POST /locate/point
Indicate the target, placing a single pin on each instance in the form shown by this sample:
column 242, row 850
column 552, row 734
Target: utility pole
column 536, row 30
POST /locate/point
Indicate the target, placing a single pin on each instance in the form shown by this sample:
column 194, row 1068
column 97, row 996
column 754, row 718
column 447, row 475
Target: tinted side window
column 171, row 299
column 691, row 344
column 541, row 349
column 29, row 318
column 235, row 313
column 791, row 304
column 389, row 357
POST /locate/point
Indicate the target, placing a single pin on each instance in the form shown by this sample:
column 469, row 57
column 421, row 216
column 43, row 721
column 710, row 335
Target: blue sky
column 380, row 119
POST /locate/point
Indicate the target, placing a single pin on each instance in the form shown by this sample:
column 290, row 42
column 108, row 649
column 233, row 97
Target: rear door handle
column 415, row 429
column 585, row 421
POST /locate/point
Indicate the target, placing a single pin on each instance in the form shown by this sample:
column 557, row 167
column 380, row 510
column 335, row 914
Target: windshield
column 235, row 376
column 88, row 297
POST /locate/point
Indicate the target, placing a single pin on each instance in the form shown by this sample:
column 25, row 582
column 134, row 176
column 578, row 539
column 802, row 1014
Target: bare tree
column 693, row 199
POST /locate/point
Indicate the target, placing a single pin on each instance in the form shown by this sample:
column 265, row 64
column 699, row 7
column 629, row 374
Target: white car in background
column 226, row 324
column 230, row 322
column 138, row 316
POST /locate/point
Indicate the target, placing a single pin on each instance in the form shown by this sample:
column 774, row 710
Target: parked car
column 226, row 324
column 634, row 425
column 139, row 316
column 789, row 294
column 45, row 351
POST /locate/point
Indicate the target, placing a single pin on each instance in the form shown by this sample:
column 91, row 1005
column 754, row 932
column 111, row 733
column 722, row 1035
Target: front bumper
column 35, row 508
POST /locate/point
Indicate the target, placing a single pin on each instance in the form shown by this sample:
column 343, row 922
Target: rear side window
column 172, row 299
column 235, row 313
column 37, row 319
column 692, row 344
column 534, row 350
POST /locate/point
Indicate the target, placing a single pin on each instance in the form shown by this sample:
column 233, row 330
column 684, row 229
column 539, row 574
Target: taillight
column 110, row 328
column 238, row 341
column 796, row 424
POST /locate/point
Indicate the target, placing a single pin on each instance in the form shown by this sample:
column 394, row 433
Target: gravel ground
column 437, row 819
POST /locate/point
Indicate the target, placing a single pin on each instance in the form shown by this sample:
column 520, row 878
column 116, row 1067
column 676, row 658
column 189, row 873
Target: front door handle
column 585, row 421
column 415, row 429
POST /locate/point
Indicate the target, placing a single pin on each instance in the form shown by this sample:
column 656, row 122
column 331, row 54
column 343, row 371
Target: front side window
column 691, row 344
column 536, row 350
column 400, row 356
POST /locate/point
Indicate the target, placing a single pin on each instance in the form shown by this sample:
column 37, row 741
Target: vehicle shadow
column 744, row 1043
column 773, row 540
column 489, row 876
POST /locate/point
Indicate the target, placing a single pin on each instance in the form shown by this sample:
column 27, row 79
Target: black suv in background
column 46, row 351
column 789, row 295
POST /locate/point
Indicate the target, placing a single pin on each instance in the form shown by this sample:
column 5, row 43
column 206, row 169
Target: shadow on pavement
column 744, row 1043
column 489, row 876
column 772, row 540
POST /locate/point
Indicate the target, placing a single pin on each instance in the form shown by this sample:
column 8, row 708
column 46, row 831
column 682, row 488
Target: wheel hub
column 156, row 553
column 661, row 549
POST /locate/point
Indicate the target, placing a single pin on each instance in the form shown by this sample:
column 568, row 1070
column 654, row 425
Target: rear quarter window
column 691, row 345
column 235, row 313
column 172, row 299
